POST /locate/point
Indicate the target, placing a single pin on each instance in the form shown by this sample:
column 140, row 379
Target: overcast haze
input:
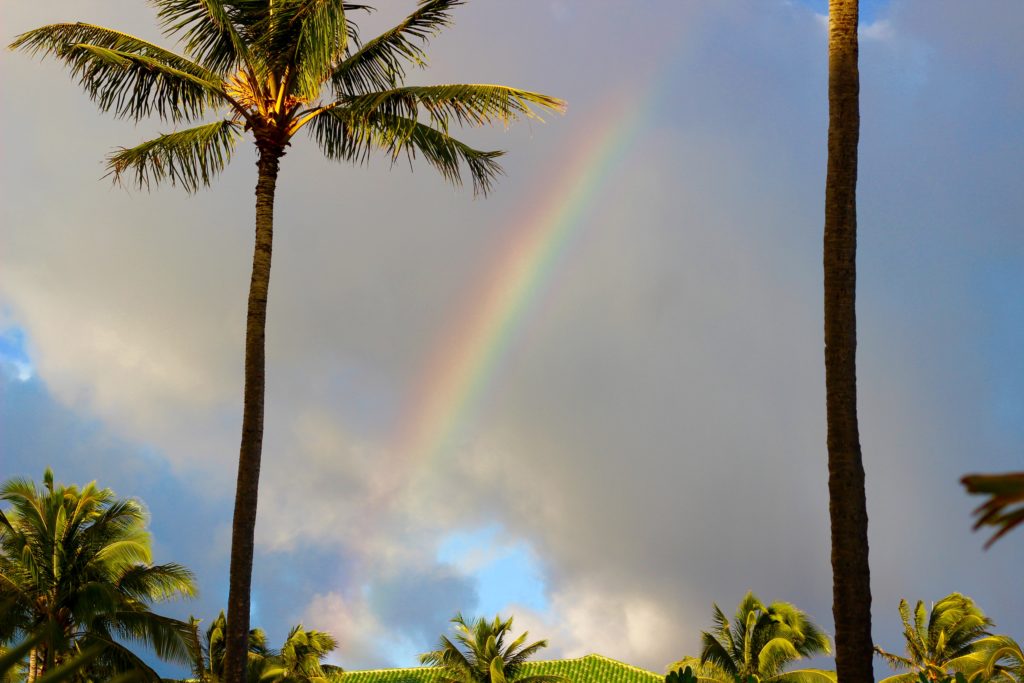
column 654, row 438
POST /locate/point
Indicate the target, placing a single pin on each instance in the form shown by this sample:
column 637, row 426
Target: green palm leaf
column 1004, row 508
column 124, row 74
column 465, row 104
column 344, row 138
column 210, row 33
column 804, row 676
column 379, row 64
column 190, row 158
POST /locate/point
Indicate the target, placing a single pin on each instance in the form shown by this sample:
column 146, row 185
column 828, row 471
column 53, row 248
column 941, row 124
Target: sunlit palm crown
column 78, row 562
column 272, row 68
column 761, row 641
column 482, row 655
column 952, row 636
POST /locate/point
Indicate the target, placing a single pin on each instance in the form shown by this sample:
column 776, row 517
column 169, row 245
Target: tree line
column 79, row 586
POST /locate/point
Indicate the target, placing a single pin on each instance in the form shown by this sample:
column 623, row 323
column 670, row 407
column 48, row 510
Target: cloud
column 656, row 438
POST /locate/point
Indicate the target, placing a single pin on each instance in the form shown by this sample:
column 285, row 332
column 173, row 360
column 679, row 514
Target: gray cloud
column 656, row 434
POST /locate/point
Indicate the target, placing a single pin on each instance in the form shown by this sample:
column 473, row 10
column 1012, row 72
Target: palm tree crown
column 301, row 659
column 208, row 653
column 947, row 639
column 77, row 563
column 758, row 644
column 484, row 656
column 274, row 67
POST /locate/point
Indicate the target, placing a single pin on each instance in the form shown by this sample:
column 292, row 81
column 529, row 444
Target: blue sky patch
column 506, row 573
column 14, row 358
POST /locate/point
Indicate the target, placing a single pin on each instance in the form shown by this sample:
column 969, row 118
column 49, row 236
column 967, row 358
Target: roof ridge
column 619, row 661
column 390, row 668
column 592, row 655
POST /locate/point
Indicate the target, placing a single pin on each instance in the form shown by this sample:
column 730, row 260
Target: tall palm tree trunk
column 851, row 581
column 246, row 491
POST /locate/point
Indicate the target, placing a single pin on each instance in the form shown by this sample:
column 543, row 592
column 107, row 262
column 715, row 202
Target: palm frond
column 714, row 653
column 1004, row 508
column 804, row 676
column 170, row 639
column 190, row 158
column 124, row 74
column 379, row 64
column 311, row 36
column 774, row 655
column 895, row 661
column 464, row 104
column 119, row 658
column 344, row 138
column 910, row 677
column 157, row 582
column 209, row 31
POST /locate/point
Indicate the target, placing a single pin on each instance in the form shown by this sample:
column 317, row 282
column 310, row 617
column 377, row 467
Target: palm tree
column 272, row 68
column 759, row 643
column 76, row 565
column 483, row 656
column 301, row 659
column 208, row 652
column 851, row 580
column 951, row 637
column 1005, row 507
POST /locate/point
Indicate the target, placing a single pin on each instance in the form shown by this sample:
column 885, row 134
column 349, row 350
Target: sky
column 593, row 400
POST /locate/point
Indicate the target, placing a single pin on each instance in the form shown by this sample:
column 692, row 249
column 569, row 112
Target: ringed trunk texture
column 851, row 580
column 244, row 524
column 33, row 659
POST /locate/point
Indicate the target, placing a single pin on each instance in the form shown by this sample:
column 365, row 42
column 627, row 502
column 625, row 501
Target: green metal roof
column 588, row 669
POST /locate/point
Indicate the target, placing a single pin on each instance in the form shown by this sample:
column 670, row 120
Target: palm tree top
column 272, row 68
column 77, row 562
column 759, row 642
column 482, row 655
column 947, row 638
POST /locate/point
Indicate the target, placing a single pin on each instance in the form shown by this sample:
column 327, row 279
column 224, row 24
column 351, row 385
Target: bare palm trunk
column 244, row 524
column 851, row 581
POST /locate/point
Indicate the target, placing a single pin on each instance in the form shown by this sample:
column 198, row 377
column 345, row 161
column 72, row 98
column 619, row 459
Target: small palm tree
column 76, row 565
column 301, row 659
column 759, row 643
column 1004, row 509
column 273, row 68
column 208, row 652
column 483, row 656
column 949, row 638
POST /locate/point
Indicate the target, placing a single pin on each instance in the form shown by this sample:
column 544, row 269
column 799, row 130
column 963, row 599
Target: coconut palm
column 272, row 68
column 1005, row 507
column 951, row 637
column 851, row 581
column 301, row 659
column 76, row 566
column 759, row 643
column 208, row 651
column 483, row 656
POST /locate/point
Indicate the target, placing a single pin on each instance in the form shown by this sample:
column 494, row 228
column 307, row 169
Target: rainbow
column 466, row 363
